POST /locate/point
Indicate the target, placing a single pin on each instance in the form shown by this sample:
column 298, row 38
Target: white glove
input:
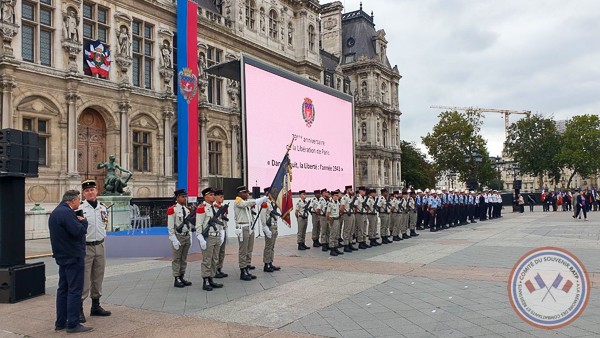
column 267, row 231
column 238, row 233
column 175, row 242
column 191, row 241
column 261, row 200
column 222, row 235
column 202, row 241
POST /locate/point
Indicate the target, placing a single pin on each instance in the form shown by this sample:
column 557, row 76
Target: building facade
column 130, row 111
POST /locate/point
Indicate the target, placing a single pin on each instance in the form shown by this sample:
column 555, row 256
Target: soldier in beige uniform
column 383, row 205
column 372, row 217
column 412, row 214
column 322, row 211
column 219, row 198
column 212, row 243
column 302, row 212
column 404, row 214
column 333, row 217
column 96, row 214
column 316, row 219
column 243, row 222
column 395, row 216
column 269, row 218
column 360, row 219
column 181, row 242
column 349, row 202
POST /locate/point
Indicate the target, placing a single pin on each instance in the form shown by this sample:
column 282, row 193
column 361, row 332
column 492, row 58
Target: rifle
column 215, row 220
column 364, row 205
column 306, row 208
column 272, row 216
column 188, row 220
column 352, row 205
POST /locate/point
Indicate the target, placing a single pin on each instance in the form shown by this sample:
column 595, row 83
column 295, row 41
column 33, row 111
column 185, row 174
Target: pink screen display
column 277, row 109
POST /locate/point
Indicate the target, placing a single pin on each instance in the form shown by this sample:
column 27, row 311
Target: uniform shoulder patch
column 264, row 205
column 201, row 209
column 171, row 210
column 238, row 200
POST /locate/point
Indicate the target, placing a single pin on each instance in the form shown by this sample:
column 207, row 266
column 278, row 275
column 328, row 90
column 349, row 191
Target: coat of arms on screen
column 188, row 84
column 308, row 111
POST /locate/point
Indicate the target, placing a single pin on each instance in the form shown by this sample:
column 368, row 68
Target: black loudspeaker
column 11, row 136
column 12, row 221
column 255, row 192
column 517, row 184
column 10, row 165
column 22, row 282
column 31, row 154
column 11, row 150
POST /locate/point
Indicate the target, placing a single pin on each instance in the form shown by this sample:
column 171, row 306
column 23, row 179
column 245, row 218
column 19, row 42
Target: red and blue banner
column 97, row 56
column 187, row 97
column 281, row 189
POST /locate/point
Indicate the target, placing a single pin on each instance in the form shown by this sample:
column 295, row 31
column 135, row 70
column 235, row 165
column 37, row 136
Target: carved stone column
column 124, row 108
column 235, row 127
column 7, row 84
column 167, row 116
column 72, row 97
column 203, row 143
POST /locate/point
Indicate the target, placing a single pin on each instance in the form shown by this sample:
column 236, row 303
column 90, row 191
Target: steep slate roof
column 208, row 4
column 359, row 26
column 329, row 61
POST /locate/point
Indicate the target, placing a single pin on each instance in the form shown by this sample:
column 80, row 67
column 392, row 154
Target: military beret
column 88, row 184
column 335, row 192
column 362, row 188
column 180, row 192
column 207, row 191
column 242, row 188
column 266, row 190
column 396, row 192
column 219, row 193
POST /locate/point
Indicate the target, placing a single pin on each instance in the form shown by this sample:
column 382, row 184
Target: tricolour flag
column 567, row 286
column 557, row 281
column 281, row 189
column 540, row 281
column 97, row 57
column 530, row 286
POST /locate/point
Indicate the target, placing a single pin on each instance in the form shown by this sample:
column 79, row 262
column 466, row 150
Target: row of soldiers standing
column 343, row 220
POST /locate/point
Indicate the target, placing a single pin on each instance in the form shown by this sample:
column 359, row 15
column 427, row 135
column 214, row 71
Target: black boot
column 185, row 282
column 250, row 267
column 249, row 274
column 301, row 246
column 374, row 242
column 324, row 247
column 244, row 275
column 347, row 248
column 213, row 284
column 267, row 268
column 362, row 245
column 413, row 233
column 366, row 245
column 338, row 251
column 206, row 284
column 305, row 246
column 405, row 236
column 353, row 248
column 97, row 310
column 178, row 283
column 220, row 274
column 316, row 244
column 397, row 238
column 275, row 268
column 332, row 252
column 81, row 315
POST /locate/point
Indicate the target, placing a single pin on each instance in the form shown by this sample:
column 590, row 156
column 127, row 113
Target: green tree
column 456, row 145
column 580, row 149
column 534, row 142
column 416, row 171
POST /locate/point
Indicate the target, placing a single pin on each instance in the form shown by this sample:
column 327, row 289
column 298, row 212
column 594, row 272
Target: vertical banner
column 187, row 97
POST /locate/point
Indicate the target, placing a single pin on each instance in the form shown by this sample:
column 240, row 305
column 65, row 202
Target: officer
column 244, row 220
column 316, row 219
column 444, row 210
column 333, row 217
column 372, row 218
column 395, row 215
column 96, row 215
column 269, row 219
column 404, row 214
column 482, row 206
column 322, row 211
column 419, row 207
column 383, row 206
column 360, row 219
column 67, row 236
column 432, row 209
column 348, row 203
column 426, row 211
column 211, row 245
column 176, row 214
column 219, row 198
column 302, row 212
column 489, row 202
column 412, row 213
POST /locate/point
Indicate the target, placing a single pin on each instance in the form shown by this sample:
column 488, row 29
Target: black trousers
column 70, row 287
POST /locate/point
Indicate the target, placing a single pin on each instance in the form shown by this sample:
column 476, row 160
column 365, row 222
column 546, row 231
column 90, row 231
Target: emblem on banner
column 188, row 84
column 308, row 111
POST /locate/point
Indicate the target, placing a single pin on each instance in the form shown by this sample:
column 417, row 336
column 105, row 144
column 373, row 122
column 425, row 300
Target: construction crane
column 506, row 113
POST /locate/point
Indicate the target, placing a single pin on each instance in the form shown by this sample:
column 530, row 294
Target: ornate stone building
column 82, row 118
column 361, row 50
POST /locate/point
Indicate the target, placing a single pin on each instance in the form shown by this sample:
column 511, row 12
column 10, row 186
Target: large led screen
column 280, row 106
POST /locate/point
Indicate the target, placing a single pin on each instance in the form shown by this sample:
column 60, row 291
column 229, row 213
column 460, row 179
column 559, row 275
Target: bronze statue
column 113, row 184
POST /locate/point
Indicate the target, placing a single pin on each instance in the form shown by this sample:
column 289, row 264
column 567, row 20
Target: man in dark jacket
column 67, row 236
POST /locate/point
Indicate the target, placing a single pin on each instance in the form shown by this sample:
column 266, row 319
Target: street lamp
column 477, row 158
column 452, row 177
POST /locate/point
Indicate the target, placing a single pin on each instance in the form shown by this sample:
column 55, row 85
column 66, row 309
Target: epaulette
column 238, row 200
column 264, row 205
column 200, row 209
column 171, row 210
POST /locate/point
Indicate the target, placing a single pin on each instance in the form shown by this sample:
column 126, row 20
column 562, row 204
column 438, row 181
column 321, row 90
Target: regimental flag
column 97, row 57
column 281, row 190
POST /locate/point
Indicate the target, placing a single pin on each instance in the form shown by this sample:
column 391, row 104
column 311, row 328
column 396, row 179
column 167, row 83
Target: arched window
column 250, row 9
column 273, row 24
column 311, row 38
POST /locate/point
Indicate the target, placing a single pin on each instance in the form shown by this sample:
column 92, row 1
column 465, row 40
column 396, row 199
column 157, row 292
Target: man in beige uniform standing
column 360, row 219
column 316, row 219
column 243, row 223
column 372, row 217
column 181, row 242
column 269, row 219
column 219, row 198
column 395, row 216
column 212, row 243
column 412, row 214
column 349, row 203
column 333, row 217
column 302, row 212
column 404, row 214
column 322, row 210
column 383, row 205
column 97, row 218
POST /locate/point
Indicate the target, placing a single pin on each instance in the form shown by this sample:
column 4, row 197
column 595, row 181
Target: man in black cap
column 348, row 202
column 219, row 198
column 181, row 242
column 360, row 219
column 244, row 219
column 96, row 215
column 372, row 217
column 316, row 219
column 302, row 212
column 269, row 219
column 322, row 210
column 383, row 206
column 212, row 244
column 333, row 218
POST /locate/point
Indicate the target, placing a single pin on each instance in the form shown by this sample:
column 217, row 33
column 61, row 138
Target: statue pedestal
column 118, row 214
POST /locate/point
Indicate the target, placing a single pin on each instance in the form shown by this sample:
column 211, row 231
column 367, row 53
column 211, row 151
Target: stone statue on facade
column 165, row 53
column 71, row 26
column 123, row 42
column 113, row 183
column 8, row 11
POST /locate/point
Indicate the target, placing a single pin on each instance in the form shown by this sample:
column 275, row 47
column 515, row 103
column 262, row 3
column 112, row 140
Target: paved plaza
column 446, row 284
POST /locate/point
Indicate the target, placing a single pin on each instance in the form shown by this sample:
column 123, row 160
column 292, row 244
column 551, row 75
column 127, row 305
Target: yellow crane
column 506, row 113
